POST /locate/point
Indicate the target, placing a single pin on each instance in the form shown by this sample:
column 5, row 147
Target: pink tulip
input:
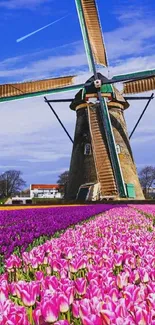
column 144, row 276
column 11, row 314
column 84, row 308
column 69, row 292
column 122, row 280
column 49, row 310
column 121, row 310
column 81, row 263
column 56, row 266
column 4, row 290
column 63, row 274
column 93, row 291
column 45, row 261
column 95, row 305
column 114, row 294
column 151, row 300
column 29, row 294
column 68, row 254
column 13, row 262
column 62, row 322
column 118, row 260
column 34, row 263
column 73, row 266
column 81, row 285
column 107, row 316
column 17, row 318
column 63, row 303
column 3, row 295
column 48, row 270
column 52, row 283
column 92, row 319
column 75, row 309
column 142, row 316
column 37, row 316
column 64, row 264
column 39, row 275
column 13, row 288
column 152, row 275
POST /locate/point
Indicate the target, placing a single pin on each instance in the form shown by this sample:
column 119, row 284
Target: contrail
column 38, row 30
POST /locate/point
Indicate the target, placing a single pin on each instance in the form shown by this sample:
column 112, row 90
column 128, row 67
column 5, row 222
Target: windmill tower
column 102, row 163
column 91, row 161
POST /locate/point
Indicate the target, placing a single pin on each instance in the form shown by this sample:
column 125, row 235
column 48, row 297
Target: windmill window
column 118, row 148
column 87, row 149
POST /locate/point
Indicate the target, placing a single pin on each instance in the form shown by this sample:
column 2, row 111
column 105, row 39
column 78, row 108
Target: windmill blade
column 37, row 88
column 87, row 9
column 133, row 76
column 139, row 86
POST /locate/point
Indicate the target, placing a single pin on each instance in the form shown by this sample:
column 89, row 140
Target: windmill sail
column 133, row 76
column 88, row 9
column 139, row 86
column 15, row 91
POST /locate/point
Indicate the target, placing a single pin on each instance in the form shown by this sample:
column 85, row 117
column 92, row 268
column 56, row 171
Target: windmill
column 102, row 164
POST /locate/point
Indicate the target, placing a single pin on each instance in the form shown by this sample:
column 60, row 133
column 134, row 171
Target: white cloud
column 18, row 4
column 131, row 39
column 32, row 116
column 31, row 134
column 52, row 172
column 47, row 67
column 4, row 167
column 133, row 64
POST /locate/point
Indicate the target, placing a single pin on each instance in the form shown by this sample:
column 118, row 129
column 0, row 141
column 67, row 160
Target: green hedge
column 47, row 201
column 2, row 201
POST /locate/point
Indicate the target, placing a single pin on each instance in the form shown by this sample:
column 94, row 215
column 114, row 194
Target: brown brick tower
column 95, row 165
column 125, row 153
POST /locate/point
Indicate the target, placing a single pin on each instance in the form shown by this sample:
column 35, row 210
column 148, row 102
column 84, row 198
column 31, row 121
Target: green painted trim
column 84, row 33
column 138, row 74
column 112, row 148
column 130, row 188
column 106, row 88
column 41, row 93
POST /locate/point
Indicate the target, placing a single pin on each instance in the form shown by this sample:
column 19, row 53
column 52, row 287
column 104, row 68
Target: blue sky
column 30, row 137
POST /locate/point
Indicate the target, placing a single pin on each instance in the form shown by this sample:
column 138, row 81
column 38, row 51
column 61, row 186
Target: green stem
column 62, row 316
column 68, row 316
column 30, row 315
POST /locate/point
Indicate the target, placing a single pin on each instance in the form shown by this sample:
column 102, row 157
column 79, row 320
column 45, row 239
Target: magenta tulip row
column 99, row 273
column 148, row 209
column 19, row 228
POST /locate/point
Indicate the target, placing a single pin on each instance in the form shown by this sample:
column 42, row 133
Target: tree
column 11, row 183
column 147, row 178
column 63, row 178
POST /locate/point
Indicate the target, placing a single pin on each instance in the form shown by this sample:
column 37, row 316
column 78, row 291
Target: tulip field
column 61, row 266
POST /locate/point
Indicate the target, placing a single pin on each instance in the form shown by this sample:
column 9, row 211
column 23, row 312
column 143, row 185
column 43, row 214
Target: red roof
column 46, row 186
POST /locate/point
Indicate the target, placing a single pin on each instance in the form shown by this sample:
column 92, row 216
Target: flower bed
column 22, row 228
column 98, row 273
column 147, row 209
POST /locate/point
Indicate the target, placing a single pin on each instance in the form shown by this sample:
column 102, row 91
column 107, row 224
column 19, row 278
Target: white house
column 46, row 191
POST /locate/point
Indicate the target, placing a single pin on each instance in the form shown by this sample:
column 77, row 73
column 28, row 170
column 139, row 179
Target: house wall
column 45, row 193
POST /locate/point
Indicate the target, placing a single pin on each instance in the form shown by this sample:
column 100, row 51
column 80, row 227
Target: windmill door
column 82, row 194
